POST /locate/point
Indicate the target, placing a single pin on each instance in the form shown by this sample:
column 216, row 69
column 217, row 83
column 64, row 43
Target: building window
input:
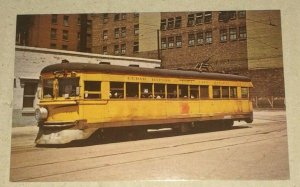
column 227, row 15
column 241, row 14
column 170, row 23
column 191, row 19
column 136, row 15
column 232, row 33
column 65, row 35
column 123, row 32
column 88, row 38
column 78, row 20
column 232, row 14
column 207, row 17
column 105, row 18
column 163, row 43
column 136, row 29
column 191, row 39
column 104, row 50
column 223, row 35
column 123, row 16
column 199, row 18
column 178, row 41
column 200, row 39
column 78, row 36
column 243, row 33
column 105, row 35
column 163, row 24
column 30, row 89
column 222, row 16
column 123, row 49
column 178, row 22
column 89, row 23
column 66, row 20
column 136, row 47
column 53, row 46
column 117, row 33
column 54, row 19
column 64, row 47
column 116, row 49
column 53, row 34
column 117, row 17
column 208, row 37
column 170, row 42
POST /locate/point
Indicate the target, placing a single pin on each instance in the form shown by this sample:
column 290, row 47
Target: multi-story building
column 184, row 38
column 188, row 38
column 128, row 34
column 56, row 31
column 244, row 42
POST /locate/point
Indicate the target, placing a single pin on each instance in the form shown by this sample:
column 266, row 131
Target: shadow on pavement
column 118, row 135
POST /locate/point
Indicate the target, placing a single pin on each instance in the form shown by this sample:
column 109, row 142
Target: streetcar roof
column 114, row 69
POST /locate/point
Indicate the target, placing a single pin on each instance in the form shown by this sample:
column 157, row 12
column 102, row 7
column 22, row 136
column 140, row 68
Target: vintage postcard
column 184, row 95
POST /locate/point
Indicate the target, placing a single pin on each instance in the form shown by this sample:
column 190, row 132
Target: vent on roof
column 64, row 61
column 134, row 65
column 107, row 63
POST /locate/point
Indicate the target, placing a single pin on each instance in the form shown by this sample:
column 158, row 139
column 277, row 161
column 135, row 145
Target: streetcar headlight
column 41, row 114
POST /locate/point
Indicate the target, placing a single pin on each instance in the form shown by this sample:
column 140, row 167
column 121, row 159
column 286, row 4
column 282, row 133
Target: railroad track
column 156, row 152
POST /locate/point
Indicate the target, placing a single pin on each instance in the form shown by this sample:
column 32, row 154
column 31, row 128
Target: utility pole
column 159, row 55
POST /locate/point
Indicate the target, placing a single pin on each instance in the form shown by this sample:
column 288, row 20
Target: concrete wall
column 149, row 23
column 29, row 62
column 264, row 39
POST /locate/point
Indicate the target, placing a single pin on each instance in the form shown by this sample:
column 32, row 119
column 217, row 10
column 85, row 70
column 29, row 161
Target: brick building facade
column 243, row 42
column 55, row 31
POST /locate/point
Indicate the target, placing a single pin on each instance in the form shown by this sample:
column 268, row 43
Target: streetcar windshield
column 68, row 87
column 48, row 88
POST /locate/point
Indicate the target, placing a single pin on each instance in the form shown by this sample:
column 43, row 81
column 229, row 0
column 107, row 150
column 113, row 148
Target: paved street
column 257, row 151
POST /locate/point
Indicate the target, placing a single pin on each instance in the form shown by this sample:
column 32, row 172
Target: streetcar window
column 67, row 87
column 216, row 92
column 92, row 89
column 146, row 90
column 48, row 88
column 233, row 92
column 194, row 91
column 183, row 91
column 171, row 91
column 245, row 92
column 116, row 90
column 204, row 92
column 132, row 89
column 159, row 91
column 225, row 92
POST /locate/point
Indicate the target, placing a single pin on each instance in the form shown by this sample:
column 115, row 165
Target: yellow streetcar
column 78, row 99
